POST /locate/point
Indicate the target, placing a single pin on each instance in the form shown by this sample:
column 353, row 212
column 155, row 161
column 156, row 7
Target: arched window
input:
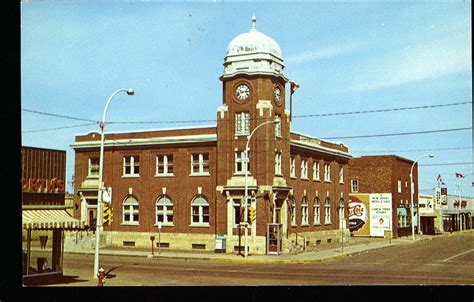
column 293, row 211
column 304, row 211
column 341, row 214
column 200, row 211
column 164, row 210
column 327, row 211
column 317, row 211
column 130, row 213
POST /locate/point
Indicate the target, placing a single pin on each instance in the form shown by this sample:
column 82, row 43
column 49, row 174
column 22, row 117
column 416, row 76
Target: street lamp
column 129, row 91
column 412, row 193
column 247, row 148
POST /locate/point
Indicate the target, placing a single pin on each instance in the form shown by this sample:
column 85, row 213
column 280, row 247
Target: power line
column 449, row 164
column 381, row 110
column 295, row 116
column 60, row 116
column 397, row 134
column 58, row 128
column 410, row 150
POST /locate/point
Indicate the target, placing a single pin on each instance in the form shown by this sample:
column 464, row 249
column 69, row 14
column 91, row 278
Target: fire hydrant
column 101, row 276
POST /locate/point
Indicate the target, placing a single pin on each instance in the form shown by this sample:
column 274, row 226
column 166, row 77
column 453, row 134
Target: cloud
column 444, row 56
column 323, row 53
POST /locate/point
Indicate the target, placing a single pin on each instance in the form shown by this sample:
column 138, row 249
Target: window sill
column 317, row 223
column 305, row 225
column 131, row 176
column 294, row 225
column 130, row 224
column 328, row 181
column 318, row 180
column 165, row 224
column 200, row 225
column 341, row 183
column 293, row 177
column 304, row 178
column 327, row 223
column 355, row 191
column 200, row 174
column 92, row 176
column 164, row 175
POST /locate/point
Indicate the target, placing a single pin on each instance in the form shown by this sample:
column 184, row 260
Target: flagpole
column 291, row 103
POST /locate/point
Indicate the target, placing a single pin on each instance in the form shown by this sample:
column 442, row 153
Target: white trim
column 318, row 148
column 150, row 130
column 184, row 139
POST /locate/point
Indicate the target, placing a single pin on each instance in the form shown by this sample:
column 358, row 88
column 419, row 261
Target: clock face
column 242, row 92
column 277, row 93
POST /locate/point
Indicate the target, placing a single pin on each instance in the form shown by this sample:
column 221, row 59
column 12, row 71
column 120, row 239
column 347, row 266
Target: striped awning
column 50, row 219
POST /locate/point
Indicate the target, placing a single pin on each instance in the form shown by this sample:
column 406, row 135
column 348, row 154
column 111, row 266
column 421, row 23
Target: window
column 277, row 163
column 341, row 214
column 164, row 165
column 327, row 211
column 200, row 164
column 304, row 211
column 242, row 123
column 341, row 174
column 406, row 186
column 317, row 211
column 354, row 185
column 200, row 211
column 304, row 169
column 327, row 172
column 164, row 210
column 399, row 186
column 240, row 162
column 278, row 126
column 93, row 166
column 293, row 212
column 315, row 170
column 130, row 213
column 131, row 166
column 292, row 167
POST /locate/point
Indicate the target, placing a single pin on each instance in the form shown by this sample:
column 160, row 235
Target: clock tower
column 253, row 94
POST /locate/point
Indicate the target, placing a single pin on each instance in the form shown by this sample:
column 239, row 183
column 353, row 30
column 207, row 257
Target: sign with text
column 380, row 214
column 39, row 185
column 359, row 224
column 426, row 205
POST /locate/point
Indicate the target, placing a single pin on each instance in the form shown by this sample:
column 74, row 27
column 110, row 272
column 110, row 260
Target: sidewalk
column 355, row 245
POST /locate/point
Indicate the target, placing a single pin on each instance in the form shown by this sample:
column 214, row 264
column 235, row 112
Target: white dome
column 253, row 52
column 253, row 42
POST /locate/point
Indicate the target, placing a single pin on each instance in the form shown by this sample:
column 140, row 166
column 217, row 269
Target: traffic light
column 107, row 215
column 252, row 214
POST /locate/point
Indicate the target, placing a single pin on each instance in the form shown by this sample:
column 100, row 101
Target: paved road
column 440, row 261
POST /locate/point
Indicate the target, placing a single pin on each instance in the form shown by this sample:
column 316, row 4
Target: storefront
column 45, row 216
column 43, row 240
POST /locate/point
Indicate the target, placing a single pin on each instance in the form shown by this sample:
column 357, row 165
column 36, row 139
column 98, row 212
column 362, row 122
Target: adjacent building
column 189, row 183
column 376, row 181
column 44, row 213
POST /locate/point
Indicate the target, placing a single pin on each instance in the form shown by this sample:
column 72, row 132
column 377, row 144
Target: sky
column 346, row 56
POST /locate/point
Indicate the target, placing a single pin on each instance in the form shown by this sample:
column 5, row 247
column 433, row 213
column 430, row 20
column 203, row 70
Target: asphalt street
column 444, row 260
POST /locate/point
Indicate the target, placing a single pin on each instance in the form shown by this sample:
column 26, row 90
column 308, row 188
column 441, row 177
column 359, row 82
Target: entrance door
column 273, row 238
column 92, row 217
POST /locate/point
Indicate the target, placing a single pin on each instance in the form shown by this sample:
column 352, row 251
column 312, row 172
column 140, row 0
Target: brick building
column 44, row 213
column 191, row 181
column 390, row 175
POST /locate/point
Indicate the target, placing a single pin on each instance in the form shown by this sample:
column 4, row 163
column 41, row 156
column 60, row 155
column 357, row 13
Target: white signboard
column 437, row 192
column 380, row 214
column 107, row 195
column 426, row 205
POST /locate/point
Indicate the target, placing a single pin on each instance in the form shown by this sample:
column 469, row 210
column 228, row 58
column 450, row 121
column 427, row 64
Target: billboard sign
column 359, row 224
column 437, row 197
column 425, row 203
column 380, row 214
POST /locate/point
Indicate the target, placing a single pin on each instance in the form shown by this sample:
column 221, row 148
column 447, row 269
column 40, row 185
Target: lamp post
column 100, row 189
column 247, row 148
column 413, row 193
column 459, row 193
